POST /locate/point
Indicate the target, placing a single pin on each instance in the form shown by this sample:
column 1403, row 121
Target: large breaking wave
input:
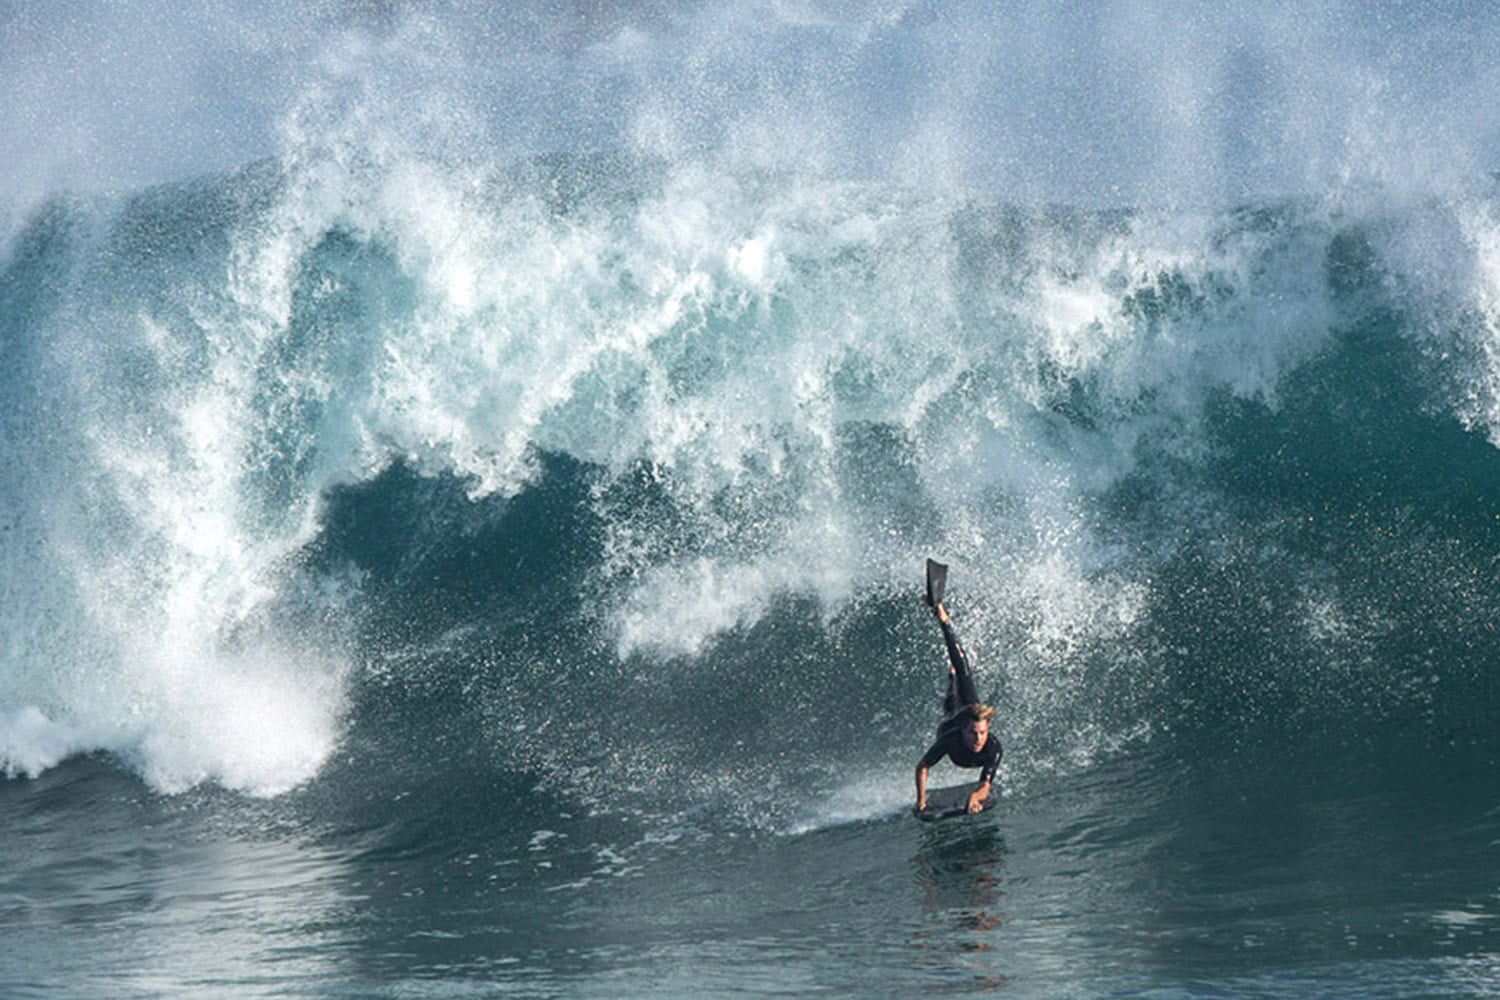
column 618, row 469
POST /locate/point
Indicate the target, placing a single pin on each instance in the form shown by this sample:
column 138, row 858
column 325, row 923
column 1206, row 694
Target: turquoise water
column 457, row 539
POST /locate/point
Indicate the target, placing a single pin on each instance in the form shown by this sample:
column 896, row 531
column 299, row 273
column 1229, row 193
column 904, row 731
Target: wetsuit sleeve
column 934, row 753
column 994, row 751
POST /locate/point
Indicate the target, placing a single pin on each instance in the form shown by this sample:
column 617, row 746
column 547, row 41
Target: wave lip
column 31, row 743
column 262, row 731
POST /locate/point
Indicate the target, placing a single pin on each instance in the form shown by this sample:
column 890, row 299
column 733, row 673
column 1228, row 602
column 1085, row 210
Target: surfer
column 964, row 735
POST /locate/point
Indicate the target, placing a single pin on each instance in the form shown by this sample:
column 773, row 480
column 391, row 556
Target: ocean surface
column 466, row 472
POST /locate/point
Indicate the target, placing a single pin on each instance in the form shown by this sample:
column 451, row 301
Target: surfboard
column 946, row 803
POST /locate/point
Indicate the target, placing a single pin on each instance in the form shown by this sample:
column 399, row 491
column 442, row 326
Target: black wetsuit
column 961, row 692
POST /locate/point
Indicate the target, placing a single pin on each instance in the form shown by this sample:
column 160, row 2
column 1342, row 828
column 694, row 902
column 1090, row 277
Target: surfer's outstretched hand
column 941, row 612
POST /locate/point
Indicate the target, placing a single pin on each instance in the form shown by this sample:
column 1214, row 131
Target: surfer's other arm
column 978, row 795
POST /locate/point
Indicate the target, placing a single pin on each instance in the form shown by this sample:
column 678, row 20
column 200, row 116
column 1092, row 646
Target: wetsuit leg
column 961, row 690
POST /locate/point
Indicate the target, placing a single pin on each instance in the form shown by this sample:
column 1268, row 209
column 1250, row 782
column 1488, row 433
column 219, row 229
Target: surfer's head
column 974, row 725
